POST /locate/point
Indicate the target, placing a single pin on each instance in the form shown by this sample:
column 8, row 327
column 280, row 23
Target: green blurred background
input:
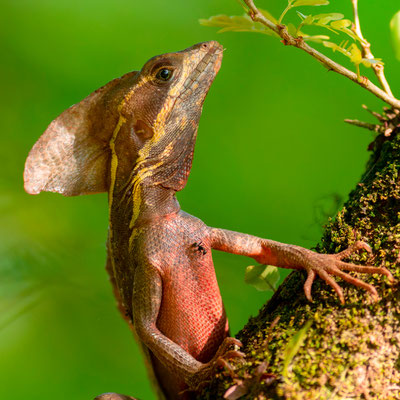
column 272, row 156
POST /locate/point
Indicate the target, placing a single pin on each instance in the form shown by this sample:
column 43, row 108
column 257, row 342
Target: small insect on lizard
column 134, row 138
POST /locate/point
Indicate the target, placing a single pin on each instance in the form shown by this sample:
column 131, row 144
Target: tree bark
column 348, row 351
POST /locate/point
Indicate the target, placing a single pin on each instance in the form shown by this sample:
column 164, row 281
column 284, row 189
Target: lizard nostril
column 204, row 46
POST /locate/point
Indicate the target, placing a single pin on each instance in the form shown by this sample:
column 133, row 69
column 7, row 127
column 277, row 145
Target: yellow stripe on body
column 114, row 167
column 113, row 173
column 144, row 172
column 114, row 159
column 140, row 173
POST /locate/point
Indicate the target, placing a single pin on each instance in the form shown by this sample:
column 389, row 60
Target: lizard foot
column 326, row 265
column 113, row 396
column 204, row 374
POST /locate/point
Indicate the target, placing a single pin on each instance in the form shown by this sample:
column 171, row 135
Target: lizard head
column 141, row 126
column 165, row 107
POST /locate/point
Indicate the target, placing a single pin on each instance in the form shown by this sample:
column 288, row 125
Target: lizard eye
column 164, row 74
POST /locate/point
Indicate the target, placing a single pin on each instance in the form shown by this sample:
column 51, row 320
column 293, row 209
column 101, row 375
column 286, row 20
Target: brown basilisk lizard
column 134, row 138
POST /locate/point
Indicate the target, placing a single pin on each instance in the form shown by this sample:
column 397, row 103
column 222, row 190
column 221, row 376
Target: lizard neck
column 132, row 209
column 156, row 202
column 139, row 203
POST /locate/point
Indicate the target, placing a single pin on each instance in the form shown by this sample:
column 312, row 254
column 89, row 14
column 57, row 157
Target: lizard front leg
column 147, row 297
column 295, row 257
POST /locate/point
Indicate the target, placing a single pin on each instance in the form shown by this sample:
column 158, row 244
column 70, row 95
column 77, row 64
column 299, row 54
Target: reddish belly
column 193, row 317
column 199, row 336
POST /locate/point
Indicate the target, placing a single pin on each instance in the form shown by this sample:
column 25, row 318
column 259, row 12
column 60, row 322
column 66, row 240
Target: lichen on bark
column 351, row 350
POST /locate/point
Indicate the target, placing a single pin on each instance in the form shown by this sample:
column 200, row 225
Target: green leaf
column 321, row 20
column 343, row 23
column 351, row 34
column 236, row 23
column 262, row 277
column 316, row 38
column 299, row 3
column 225, row 21
column 293, row 346
column 268, row 15
column 395, row 30
column 368, row 62
column 301, row 15
column 324, row 19
column 308, row 20
column 342, row 49
column 355, row 54
column 291, row 29
column 336, row 47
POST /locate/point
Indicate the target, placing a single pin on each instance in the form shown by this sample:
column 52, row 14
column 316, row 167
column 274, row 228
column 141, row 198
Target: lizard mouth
column 205, row 71
column 212, row 58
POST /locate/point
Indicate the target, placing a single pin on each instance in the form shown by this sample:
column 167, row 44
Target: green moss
column 351, row 350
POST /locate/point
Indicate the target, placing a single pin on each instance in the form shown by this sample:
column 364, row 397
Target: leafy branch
column 261, row 21
column 366, row 52
column 297, row 3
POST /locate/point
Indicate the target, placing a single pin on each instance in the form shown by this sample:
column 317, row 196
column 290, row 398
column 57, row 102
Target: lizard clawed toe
column 308, row 285
column 223, row 354
column 358, row 245
column 328, row 265
column 232, row 354
column 226, row 344
column 220, row 359
column 221, row 362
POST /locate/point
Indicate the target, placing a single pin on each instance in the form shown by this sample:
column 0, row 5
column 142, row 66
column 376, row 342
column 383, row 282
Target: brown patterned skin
column 135, row 138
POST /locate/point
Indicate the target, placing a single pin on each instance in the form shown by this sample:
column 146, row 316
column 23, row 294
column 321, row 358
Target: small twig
column 284, row 13
column 366, row 125
column 378, row 116
column 366, row 50
column 288, row 39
